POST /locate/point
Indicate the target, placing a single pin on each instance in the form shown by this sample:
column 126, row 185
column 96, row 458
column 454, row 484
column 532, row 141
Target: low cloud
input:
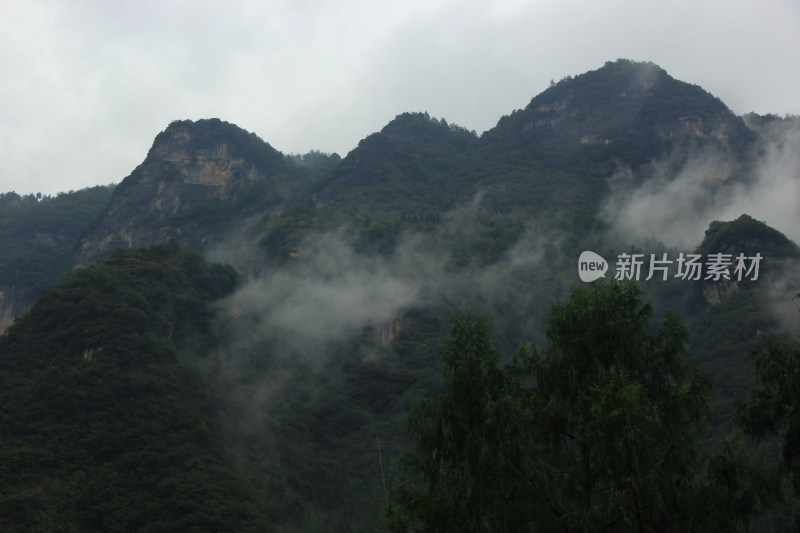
column 676, row 207
column 284, row 326
column 331, row 292
column 783, row 289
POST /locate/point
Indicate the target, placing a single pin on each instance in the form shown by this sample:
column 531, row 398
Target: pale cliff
column 196, row 178
column 14, row 301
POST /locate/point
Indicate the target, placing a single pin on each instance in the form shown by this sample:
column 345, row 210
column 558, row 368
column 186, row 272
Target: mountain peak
column 628, row 106
column 414, row 153
column 625, row 98
column 421, row 124
column 212, row 139
column 616, row 82
column 623, row 77
column 206, row 164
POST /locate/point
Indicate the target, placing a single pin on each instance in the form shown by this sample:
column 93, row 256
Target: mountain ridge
column 554, row 158
column 623, row 114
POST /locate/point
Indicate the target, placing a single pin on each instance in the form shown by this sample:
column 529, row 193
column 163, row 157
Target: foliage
column 773, row 406
column 103, row 427
column 749, row 236
column 316, row 163
column 599, row 432
column 406, row 167
column 38, row 235
column 460, row 436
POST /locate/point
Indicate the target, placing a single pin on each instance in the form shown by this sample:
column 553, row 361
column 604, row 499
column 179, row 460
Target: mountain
column 37, row 239
column 103, row 427
column 407, row 166
column 625, row 111
column 272, row 395
column 553, row 158
column 197, row 177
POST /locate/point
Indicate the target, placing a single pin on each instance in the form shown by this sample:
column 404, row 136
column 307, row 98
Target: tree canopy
column 600, row 431
column 102, row 427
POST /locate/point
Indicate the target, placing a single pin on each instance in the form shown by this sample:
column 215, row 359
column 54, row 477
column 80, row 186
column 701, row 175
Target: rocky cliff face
column 718, row 292
column 210, row 165
column 13, row 302
column 197, row 176
column 388, row 332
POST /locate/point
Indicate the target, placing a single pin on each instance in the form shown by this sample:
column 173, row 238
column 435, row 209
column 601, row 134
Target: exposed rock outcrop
column 197, row 176
column 14, row 301
column 717, row 292
column 386, row 333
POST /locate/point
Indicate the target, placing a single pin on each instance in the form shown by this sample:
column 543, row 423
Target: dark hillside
column 732, row 317
column 625, row 111
column 405, row 168
column 103, row 428
column 38, row 237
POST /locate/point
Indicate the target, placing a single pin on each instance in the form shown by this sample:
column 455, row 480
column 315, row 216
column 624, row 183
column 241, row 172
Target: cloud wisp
column 676, row 207
column 332, row 292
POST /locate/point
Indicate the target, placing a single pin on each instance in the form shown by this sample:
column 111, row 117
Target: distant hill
column 103, row 427
column 38, row 238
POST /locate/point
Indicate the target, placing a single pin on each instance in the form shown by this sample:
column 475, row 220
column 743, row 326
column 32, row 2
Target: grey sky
column 85, row 85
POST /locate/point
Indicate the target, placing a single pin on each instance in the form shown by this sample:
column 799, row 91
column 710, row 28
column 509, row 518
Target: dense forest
column 235, row 339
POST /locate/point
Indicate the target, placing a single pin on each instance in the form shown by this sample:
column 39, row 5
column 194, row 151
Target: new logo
column 591, row 266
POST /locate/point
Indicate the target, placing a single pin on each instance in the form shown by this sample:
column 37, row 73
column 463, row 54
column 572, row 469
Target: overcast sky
column 86, row 85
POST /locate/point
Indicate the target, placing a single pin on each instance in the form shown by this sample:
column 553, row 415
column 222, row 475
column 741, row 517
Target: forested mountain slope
column 37, row 239
column 103, row 426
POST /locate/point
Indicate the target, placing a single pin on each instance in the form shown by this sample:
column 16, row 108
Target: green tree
column 459, row 433
column 600, row 431
column 619, row 414
column 774, row 406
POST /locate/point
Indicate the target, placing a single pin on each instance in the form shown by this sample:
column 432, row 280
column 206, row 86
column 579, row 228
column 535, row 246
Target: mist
column 783, row 288
column 332, row 296
column 331, row 292
column 298, row 316
column 676, row 208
